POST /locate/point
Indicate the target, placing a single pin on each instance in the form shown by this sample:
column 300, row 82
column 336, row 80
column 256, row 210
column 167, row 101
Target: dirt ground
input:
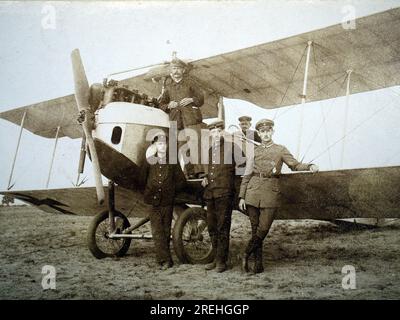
column 303, row 260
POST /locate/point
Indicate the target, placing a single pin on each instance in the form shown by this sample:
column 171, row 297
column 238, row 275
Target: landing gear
column 100, row 244
column 107, row 235
column 110, row 234
column 192, row 244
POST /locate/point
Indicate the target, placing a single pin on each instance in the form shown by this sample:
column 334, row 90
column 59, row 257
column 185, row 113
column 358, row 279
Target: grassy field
column 302, row 259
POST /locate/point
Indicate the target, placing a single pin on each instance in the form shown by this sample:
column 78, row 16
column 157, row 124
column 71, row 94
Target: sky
column 37, row 38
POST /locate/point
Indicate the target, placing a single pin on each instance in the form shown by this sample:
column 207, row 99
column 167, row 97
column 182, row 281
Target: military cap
column 264, row 123
column 216, row 124
column 178, row 63
column 159, row 135
column 244, row 118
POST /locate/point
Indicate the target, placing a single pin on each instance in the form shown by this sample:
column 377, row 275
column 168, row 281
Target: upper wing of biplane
column 271, row 75
column 45, row 117
column 268, row 75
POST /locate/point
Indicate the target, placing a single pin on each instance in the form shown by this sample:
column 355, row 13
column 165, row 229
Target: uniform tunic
column 219, row 195
column 189, row 116
column 163, row 182
column 221, row 170
column 260, row 186
column 175, row 91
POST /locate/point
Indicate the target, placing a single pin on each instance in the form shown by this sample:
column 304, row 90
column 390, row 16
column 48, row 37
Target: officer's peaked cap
column 244, row 118
column 264, row 123
column 178, row 63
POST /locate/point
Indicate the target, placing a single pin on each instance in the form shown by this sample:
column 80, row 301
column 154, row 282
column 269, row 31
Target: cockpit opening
column 116, row 135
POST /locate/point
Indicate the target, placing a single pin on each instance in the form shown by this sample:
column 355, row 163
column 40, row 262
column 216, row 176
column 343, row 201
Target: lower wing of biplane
column 356, row 193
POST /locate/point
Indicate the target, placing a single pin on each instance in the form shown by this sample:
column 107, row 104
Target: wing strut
column 221, row 108
column 52, row 157
column 303, row 99
column 346, row 115
column 16, row 151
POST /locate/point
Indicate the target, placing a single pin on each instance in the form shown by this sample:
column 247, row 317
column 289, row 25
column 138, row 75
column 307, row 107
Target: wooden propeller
column 82, row 92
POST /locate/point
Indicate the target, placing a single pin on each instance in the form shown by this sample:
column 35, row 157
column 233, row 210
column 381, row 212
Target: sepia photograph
column 200, row 150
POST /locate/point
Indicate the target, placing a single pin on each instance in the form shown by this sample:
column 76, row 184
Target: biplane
column 116, row 115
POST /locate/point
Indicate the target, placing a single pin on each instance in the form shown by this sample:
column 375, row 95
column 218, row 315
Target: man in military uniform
column 259, row 190
column 181, row 98
column 219, row 191
column 163, row 182
column 246, row 132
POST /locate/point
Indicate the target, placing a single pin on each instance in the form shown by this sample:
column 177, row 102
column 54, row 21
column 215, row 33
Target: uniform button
column 159, row 182
column 159, row 189
column 212, row 173
column 160, row 174
column 212, row 167
column 212, row 180
column 155, row 197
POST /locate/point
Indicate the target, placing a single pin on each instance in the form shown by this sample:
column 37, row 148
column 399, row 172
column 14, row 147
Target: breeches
column 261, row 220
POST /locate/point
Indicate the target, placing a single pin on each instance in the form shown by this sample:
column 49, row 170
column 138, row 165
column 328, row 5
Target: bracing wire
column 359, row 125
column 291, row 81
column 376, row 84
column 352, row 130
column 326, row 138
column 321, row 109
column 324, row 121
column 311, row 96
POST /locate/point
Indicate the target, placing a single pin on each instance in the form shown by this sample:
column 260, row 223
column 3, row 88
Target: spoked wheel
column 191, row 240
column 98, row 240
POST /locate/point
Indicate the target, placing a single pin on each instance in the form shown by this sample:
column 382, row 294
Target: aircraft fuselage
column 121, row 139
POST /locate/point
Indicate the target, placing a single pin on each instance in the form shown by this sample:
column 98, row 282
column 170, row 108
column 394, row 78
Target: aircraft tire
column 190, row 237
column 97, row 236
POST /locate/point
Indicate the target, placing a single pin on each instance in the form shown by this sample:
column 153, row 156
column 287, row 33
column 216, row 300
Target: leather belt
column 263, row 175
